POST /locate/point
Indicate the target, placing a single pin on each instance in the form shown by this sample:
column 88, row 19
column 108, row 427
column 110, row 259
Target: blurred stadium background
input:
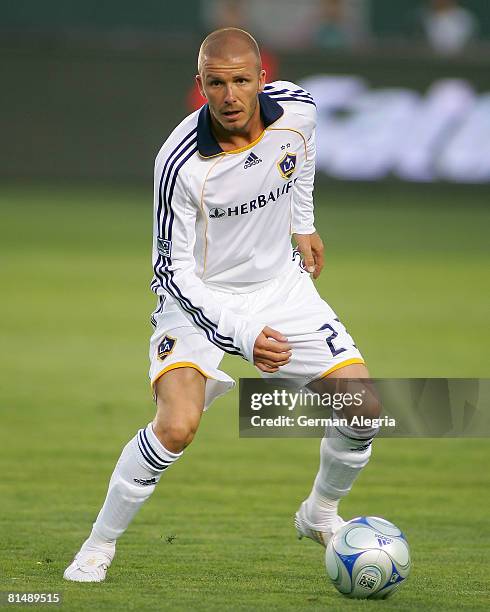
column 90, row 90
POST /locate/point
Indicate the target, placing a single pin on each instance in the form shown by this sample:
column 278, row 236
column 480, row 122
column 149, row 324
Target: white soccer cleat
column 319, row 533
column 90, row 564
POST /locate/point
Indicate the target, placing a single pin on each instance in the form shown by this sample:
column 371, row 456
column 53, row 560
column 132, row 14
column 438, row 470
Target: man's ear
column 199, row 84
column 262, row 80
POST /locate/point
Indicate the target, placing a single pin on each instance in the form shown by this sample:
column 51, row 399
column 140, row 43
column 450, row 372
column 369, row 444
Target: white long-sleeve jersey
column 223, row 220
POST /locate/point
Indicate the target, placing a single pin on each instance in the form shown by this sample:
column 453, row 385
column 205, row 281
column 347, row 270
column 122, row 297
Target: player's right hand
column 271, row 350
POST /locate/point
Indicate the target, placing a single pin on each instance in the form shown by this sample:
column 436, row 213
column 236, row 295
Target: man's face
column 231, row 86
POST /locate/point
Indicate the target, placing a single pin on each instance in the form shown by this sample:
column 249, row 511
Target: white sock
column 137, row 472
column 321, row 510
column 341, row 460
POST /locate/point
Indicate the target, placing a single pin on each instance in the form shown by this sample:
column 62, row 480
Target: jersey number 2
column 330, row 339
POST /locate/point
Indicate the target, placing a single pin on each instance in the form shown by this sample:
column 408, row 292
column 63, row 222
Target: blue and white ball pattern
column 368, row 557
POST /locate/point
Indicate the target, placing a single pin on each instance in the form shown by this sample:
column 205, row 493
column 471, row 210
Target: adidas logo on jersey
column 252, row 160
column 217, row 213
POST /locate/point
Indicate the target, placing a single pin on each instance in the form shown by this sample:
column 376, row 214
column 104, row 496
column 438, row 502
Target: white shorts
column 319, row 342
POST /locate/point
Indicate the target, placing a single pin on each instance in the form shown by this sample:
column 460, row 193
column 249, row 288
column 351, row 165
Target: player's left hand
column 311, row 249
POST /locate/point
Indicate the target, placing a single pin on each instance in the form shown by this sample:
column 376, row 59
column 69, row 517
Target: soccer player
column 233, row 183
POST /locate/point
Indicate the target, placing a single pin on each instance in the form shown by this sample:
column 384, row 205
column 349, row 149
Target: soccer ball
column 368, row 558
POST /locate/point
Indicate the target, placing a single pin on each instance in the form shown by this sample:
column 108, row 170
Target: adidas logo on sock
column 251, row 160
column 145, row 481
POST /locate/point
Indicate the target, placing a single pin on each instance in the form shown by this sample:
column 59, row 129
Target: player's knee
column 371, row 406
column 362, row 416
column 180, row 402
column 176, row 435
column 357, row 397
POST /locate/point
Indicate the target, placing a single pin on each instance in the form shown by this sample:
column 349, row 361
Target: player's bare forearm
column 311, row 249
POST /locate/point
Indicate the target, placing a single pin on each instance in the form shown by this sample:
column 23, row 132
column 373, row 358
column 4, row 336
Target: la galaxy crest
column 287, row 165
column 165, row 347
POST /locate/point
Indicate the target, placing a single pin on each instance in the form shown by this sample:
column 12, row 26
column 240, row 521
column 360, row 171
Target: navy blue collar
column 207, row 144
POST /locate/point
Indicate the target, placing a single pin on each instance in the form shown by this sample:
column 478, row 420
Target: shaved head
column 231, row 78
column 227, row 44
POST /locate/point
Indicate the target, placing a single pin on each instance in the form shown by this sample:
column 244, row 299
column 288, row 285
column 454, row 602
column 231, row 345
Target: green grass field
column 407, row 270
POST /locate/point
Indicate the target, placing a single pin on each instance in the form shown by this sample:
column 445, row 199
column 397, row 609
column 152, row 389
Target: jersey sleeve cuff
column 249, row 337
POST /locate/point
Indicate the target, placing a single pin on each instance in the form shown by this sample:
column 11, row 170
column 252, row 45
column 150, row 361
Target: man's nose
column 230, row 94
